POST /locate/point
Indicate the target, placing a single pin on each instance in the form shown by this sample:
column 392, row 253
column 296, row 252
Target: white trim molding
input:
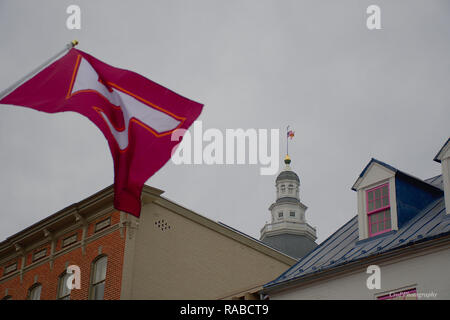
column 443, row 157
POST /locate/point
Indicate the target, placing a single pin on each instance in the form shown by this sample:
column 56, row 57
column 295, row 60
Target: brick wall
column 111, row 244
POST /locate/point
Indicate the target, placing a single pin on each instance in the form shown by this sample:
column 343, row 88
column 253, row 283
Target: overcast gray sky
column 349, row 93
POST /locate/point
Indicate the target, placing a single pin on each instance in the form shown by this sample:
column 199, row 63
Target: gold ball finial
column 74, row 43
column 287, row 159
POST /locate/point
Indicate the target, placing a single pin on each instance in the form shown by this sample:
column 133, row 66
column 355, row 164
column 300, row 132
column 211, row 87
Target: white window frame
column 96, row 283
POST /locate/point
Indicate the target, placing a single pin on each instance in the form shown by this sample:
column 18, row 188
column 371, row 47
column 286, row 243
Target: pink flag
column 136, row 115
column 290, row 134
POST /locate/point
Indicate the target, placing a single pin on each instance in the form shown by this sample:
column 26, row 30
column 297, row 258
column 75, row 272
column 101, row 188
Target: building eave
column 100, row 200
column 225, row 230
column 345, row 268
column 104, row 199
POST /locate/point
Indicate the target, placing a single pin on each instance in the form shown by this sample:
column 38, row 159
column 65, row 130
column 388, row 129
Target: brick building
column 170, row 252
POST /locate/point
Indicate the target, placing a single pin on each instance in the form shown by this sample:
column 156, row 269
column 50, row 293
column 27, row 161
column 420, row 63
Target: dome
column 288, row 175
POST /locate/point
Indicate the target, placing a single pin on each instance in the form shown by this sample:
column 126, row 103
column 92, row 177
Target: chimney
column 443, row 157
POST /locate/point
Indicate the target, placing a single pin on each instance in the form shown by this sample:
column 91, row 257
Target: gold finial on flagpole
column 287, row 159
column 74, row 43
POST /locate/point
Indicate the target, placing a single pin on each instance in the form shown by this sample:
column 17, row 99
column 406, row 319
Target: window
column 283, row 188
column 290, row 189
column 280, row 214
column 69, row 240
column 63, row 290
column 10, row 268
column 98, row 278
column 410, row 294
column 102, row 224
column 292, row 213
column 34, row 293
column 39, row 254
column 378, row 210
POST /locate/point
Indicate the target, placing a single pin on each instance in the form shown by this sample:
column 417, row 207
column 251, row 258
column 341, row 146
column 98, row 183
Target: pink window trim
column 378, row 209
column 381, row 208
column 377, row 233
column 393, row 295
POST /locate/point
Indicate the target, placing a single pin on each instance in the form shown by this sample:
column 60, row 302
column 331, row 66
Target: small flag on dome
column 290, row 134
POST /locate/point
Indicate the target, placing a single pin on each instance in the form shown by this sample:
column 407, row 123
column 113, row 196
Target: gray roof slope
column 436, row 181
column 343, row 246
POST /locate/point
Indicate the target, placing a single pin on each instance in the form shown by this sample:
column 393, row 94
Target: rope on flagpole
column 8, row 90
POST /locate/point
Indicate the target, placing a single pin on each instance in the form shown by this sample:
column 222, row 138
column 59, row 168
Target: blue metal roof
column 344, row 245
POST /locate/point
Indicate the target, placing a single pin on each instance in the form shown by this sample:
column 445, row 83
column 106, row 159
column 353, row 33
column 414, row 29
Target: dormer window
column 388, row 198
column 378, row 210
column 283, row 188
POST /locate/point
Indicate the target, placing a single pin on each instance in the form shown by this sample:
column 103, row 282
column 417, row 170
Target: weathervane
column 289, row 135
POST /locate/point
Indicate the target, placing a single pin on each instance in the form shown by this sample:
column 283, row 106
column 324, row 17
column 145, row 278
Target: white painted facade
column 427, row 272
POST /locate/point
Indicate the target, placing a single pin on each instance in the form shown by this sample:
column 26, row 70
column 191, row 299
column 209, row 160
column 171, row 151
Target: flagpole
column 287, row 141
column 8, row 90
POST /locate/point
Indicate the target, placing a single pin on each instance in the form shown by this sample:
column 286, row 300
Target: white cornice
column 61, row 222
column 60, row 252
